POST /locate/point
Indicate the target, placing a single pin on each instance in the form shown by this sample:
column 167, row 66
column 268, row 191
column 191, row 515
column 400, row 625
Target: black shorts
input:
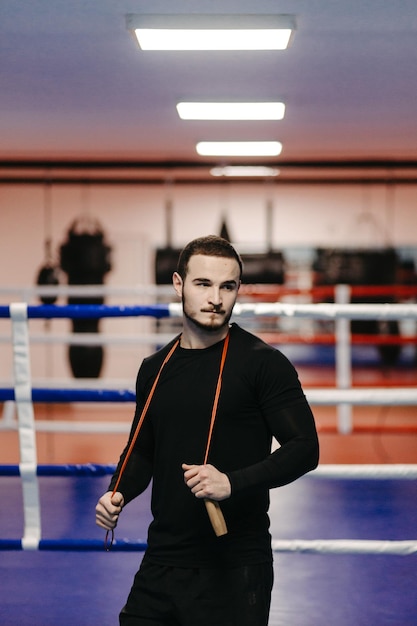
column 173, row 596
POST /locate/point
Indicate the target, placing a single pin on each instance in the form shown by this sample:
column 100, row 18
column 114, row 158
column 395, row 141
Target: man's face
column 209, row 291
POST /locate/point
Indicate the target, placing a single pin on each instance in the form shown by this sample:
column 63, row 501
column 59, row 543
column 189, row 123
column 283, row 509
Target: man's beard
column 207, row 327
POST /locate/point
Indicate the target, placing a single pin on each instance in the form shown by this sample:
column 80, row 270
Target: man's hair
column 211, row 245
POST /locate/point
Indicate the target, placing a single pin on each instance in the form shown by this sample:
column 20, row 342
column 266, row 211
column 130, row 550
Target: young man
column 206, row 439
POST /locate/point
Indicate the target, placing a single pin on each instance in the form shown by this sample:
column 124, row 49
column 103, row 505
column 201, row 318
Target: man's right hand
column 108, row 510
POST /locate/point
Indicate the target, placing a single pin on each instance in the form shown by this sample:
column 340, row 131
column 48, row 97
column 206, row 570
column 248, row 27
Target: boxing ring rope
column 322, row 310
column 316, row 397
column 263, row 292
column 403, row 471
column 24, row 396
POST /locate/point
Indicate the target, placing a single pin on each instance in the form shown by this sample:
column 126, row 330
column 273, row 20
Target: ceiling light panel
column 211, row 32
column 231, row 110
column 244, row 170
column 239, row 148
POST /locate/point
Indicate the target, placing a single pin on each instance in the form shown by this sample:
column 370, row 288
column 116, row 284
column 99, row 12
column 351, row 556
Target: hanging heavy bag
column 48, row 275
column 85, row 257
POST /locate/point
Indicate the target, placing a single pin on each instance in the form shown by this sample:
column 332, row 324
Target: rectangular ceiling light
column 239, row 148
column 211, row 32
column 231, row 110
column 244, row 170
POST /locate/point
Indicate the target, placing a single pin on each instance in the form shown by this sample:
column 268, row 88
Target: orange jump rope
column 213, row 508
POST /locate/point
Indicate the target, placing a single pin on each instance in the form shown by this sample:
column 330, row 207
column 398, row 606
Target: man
column 205, row 438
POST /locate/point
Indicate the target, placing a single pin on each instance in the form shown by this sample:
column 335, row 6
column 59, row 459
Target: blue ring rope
column 89, row 311
column 72, row 395
column 77, row 545
column 88, row 469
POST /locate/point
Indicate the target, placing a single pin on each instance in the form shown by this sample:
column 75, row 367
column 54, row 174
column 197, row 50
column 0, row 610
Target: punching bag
column 85, row 258
column 48, row 275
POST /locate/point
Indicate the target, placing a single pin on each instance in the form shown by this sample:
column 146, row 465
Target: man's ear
column 177, row 282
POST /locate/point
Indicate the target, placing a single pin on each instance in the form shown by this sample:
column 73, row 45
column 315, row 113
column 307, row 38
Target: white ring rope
column 395, row 396
column 97, row 339
column 346, row 546
column 395, row 471
column 75, row 427
column 65, row 291
column 323, row 311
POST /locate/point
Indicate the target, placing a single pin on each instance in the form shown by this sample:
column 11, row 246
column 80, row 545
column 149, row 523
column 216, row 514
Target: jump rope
column 213, row 507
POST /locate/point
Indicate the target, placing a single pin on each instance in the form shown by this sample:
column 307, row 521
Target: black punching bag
column 48, row 276
column 85, row 258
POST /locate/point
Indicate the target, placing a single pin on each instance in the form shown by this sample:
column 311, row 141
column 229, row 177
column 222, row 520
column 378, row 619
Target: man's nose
column 215, row 296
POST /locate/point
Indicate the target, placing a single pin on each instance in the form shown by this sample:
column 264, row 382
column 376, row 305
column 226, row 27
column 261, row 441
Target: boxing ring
column 344, row 536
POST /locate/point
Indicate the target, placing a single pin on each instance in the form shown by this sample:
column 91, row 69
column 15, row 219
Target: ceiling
column 78, row 98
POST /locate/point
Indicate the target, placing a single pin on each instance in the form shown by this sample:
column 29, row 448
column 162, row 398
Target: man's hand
column 205, row 481
column 108, row 510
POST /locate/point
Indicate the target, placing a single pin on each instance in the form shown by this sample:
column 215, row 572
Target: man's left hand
column 205, row 481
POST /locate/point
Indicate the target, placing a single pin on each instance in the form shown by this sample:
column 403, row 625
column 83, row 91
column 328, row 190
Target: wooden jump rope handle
column 216, row 517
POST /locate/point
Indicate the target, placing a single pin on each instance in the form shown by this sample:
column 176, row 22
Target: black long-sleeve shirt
column 261, row 398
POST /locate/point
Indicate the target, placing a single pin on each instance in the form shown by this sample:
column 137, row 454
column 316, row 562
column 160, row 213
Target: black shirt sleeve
column 295, row 431
column 289, row 420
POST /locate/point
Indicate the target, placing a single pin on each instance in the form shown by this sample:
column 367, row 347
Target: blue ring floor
column 46, row 588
